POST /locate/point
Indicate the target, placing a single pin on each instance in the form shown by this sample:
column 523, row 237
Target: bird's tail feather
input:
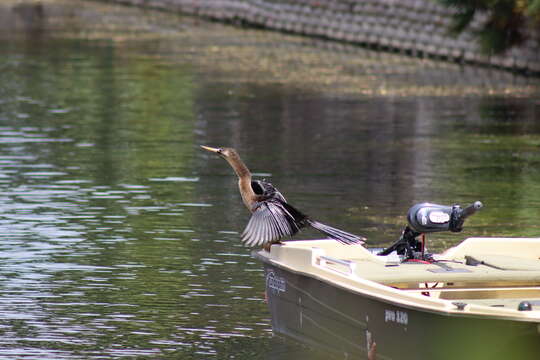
column 339, row 235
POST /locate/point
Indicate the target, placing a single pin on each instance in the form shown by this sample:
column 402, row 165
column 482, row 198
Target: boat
column 477, row 300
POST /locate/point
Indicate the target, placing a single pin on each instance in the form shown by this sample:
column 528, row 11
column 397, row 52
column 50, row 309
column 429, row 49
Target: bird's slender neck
column 239, row 167
column 244, row 181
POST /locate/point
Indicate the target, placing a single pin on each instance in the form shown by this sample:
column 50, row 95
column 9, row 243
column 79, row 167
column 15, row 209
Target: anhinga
column 272, row 217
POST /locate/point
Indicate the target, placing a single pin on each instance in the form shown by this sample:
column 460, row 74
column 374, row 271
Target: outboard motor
column 427, row 218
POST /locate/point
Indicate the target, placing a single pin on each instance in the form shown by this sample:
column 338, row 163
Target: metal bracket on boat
column 348, row 264
column 459, row 305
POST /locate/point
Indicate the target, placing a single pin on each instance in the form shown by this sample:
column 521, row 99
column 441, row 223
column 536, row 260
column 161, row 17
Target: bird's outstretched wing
column 271, row 220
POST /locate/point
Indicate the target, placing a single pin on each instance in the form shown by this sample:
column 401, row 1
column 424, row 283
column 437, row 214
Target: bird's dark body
column 266, row 191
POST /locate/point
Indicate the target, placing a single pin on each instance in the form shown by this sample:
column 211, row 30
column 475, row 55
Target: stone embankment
column 415, row 27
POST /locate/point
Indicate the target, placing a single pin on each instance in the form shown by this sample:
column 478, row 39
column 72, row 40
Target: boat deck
column 409, row 274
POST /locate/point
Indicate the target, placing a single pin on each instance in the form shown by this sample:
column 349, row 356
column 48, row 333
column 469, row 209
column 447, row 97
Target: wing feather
column 269, row 222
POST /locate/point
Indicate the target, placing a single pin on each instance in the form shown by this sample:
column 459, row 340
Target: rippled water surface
column 120, row 237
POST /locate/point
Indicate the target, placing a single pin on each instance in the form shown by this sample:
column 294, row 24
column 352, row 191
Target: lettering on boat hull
column 275, row 283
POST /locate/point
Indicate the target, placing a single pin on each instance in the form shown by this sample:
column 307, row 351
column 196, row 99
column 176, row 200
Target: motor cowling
column 427, row 217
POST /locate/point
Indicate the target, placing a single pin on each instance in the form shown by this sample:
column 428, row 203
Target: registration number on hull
column 399, row 317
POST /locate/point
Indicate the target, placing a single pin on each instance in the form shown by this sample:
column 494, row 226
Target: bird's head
column 224, row 152
column 232, row 158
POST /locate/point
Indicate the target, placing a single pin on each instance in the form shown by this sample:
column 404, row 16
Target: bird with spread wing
column 272, row 217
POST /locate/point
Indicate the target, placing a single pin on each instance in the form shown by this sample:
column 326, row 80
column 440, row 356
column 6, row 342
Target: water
column 120, row 237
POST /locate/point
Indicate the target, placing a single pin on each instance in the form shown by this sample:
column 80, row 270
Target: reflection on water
column 120, row 237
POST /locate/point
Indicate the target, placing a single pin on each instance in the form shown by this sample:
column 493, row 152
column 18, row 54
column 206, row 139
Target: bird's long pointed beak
column 214, row 150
